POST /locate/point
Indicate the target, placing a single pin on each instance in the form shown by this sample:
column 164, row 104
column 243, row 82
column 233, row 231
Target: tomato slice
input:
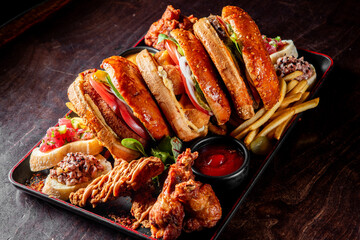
column 121, row 109
column 108, row 97
column 172, row 50
column 132, row 121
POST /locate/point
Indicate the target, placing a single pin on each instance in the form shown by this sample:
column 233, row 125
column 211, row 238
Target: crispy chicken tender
column 142, row 202
column 123, row 180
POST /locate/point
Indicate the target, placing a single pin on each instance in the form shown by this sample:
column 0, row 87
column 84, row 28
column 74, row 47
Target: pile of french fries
column 273, row 122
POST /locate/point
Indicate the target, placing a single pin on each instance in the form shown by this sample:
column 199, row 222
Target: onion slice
column 190, row 86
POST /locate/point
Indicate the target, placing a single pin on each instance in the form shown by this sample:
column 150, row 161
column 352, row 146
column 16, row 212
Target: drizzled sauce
column 218, row 160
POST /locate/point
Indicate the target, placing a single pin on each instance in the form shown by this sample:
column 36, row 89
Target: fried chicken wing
column 142, row 202
column 123, row 180
column 167, row 214
column 171, row 19
column 201, row 205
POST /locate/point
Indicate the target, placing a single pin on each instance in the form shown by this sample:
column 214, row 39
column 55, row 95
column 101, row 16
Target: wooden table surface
column 311, row 189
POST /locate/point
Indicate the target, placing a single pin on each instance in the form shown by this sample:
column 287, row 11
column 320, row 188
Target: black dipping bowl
column 133, row 50
column 232, row 180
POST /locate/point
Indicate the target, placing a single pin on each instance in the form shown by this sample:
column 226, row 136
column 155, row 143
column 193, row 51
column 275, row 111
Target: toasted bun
column 90, row 113
column 257, row 61
column 162, row 89
column 226, row 66
column 62, row 191
column 288, row 50
column 44, row 160
column 201, row 66
column 311, row 80
column 127, row 79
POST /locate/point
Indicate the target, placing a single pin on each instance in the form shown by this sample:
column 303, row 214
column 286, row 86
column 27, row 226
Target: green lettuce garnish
column 114, row 88
column 134, row 144
column 167, row 149
column 233, row 38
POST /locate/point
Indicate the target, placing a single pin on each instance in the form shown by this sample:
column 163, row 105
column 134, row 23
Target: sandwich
column 75, row 171
column 116, row 104
column 236, row 47
column 278, row 48
column 70, row 135
column 183, row 81
column 260, row 71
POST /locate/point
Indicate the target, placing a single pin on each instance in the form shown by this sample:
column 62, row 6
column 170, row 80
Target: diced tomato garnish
column 66, row 122
column 55, row 139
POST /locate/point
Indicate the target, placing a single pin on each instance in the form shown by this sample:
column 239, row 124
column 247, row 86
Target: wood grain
column 311, row 189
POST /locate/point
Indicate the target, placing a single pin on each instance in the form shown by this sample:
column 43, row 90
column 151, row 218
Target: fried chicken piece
column 142, row 202
column 123, row 180
column 167, row 214
column 171, row 19
column 201, row 205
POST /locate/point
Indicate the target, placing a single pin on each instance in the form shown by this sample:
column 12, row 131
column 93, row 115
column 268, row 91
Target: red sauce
column 218, row 160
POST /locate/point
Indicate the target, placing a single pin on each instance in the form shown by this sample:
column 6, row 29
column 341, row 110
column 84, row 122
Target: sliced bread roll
column 62, row 191
column 44, row 160
column 288, row 50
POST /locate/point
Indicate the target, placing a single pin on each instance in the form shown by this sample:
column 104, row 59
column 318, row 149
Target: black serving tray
column 230, row 201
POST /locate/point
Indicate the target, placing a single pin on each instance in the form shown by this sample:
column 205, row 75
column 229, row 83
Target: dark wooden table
column 311, row 189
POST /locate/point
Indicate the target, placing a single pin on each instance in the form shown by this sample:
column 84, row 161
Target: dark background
column 311, row 189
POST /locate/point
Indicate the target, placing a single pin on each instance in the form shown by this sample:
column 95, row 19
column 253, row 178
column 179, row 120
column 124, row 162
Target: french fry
column 304, row 96
column 243, row 133
column 245, row 124
column 306, row 105
column 250, row 137
column 293, row 75
column 300, row 107
column 270, row 112
column 266, row 116
column 304, row 88
column 276, row 122
column 290, row 99
column 270, row 135
column 290, row 85
column 280, row 129
column 298, row 87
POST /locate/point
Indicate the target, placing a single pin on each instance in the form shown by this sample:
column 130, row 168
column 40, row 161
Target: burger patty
column 115, row 122
column 220, row 30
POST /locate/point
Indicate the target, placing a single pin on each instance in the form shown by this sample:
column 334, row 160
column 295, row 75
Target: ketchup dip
column 218, row 160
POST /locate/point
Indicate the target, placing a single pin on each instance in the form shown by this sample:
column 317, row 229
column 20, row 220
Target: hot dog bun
column 127, row 79
column 201, row 67
column 163, row 91
column 44, row 160
column 227, row 66
column 259, row 68
column 62, row 191
column 99, row 117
